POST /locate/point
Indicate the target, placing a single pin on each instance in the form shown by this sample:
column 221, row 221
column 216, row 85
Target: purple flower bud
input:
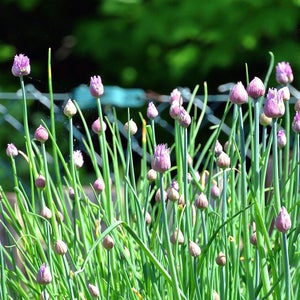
column 221, row 259
column 161, row 161
column 283, row 222
column 11, row 150
column 201, row 201
column 296, row 122
column 238, row 94
column 256, row 88
column 223, row 160
column 97, row 128
column 274, row 106
column 44, row 275
column 177, row 237
column 194, row 249
column 152, row 111
column 297, row 105
column 174, row 109
column 176, row 97
column 21, row 65
column 46, row 213
column 40, row 182
column 284, row 73
column 281, row 138
column 151, row 175
column 60, row 247
column 96, row 86
column 98, row 185
column 218, row 148
column 78, row 158
column 70, row 109
column 41, row 134
column 108, row 242
column 184, row 119
column 215, row 191
column 286, row 95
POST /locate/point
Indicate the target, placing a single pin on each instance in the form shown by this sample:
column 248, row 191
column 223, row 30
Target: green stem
column 171, row 260
column 287, row 275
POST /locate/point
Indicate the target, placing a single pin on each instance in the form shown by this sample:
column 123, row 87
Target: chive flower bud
column 194, row 249
column 177, row 236
column 94, row 291
column 274, row 106
column 283, row 221
column 286, row 95
column 218, row 148
column 176, row 96
column 296, row 122
column 11, row 150
column 152, row 111
column 96, row 86
column 284, row 73
column 41, row 134
column 256, row 88
column 97, row 128
column 264, row 120
column 46, row 213
column 281, row 138
column 78, row 158
column 161, row 161
column 40, row 182
column 70, row 109
column 223, row 160
column 238, row 94
column 297, row 105
column 60, row 247
column 98, row 185
column 108, row 242
column 44, row 275
column 174, row 109
column 21, row 65
column 151, row 175
column 221, row 259
column 183, row 117
column 215, row 191
column 131, row 127
column 201, row 201
column 158, row 196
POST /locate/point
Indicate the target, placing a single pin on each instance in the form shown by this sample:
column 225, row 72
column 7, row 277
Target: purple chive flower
column 274, row 106
column 281, row 138
column 296, row 122
column 174, row 109
column 161, row 161
column 21, row 65
column 97, row 128
column 184, row 119
column 286, row 95
column 40, row 182
column 176, row 96
column 152, row 111
column 98, row 185
column 44, row 275
column 78, row 158
column 256, row 88
column 41, row 134
column 218, row 148
column 96, row 86
column 283, row 221
column 238, row 94
column 11, row 150
column 284, row 73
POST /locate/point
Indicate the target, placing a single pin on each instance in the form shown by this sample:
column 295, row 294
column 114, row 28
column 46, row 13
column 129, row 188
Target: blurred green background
column 152, row 44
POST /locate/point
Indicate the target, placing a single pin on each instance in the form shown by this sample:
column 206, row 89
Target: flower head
column 97, row 128
column 161, row 161
column 44, row 275
column 274, row 106
column 286, row 94
column 98, row 185
column 194, row 249
column 176, row 96
column 46, row 212
column 94, row 291
column 256, row 88
column 184, row 119
column 108, row 242
column 218, row 148
column 60, row 247
column 152, row 111
column 264, row 120
column 70, row 109
column 21, row 65
column 281, row 138
column 78, row 158
column 223, row 160
column 284, row 73
column 11, row 150
column 283, row 221
column 41, row 134
column 40, row 182
column 96, row 86
column 296, row 122
column 201, row 201
column 174, row 109
column 177, row 237
column 238, row 94
column 131, row 127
